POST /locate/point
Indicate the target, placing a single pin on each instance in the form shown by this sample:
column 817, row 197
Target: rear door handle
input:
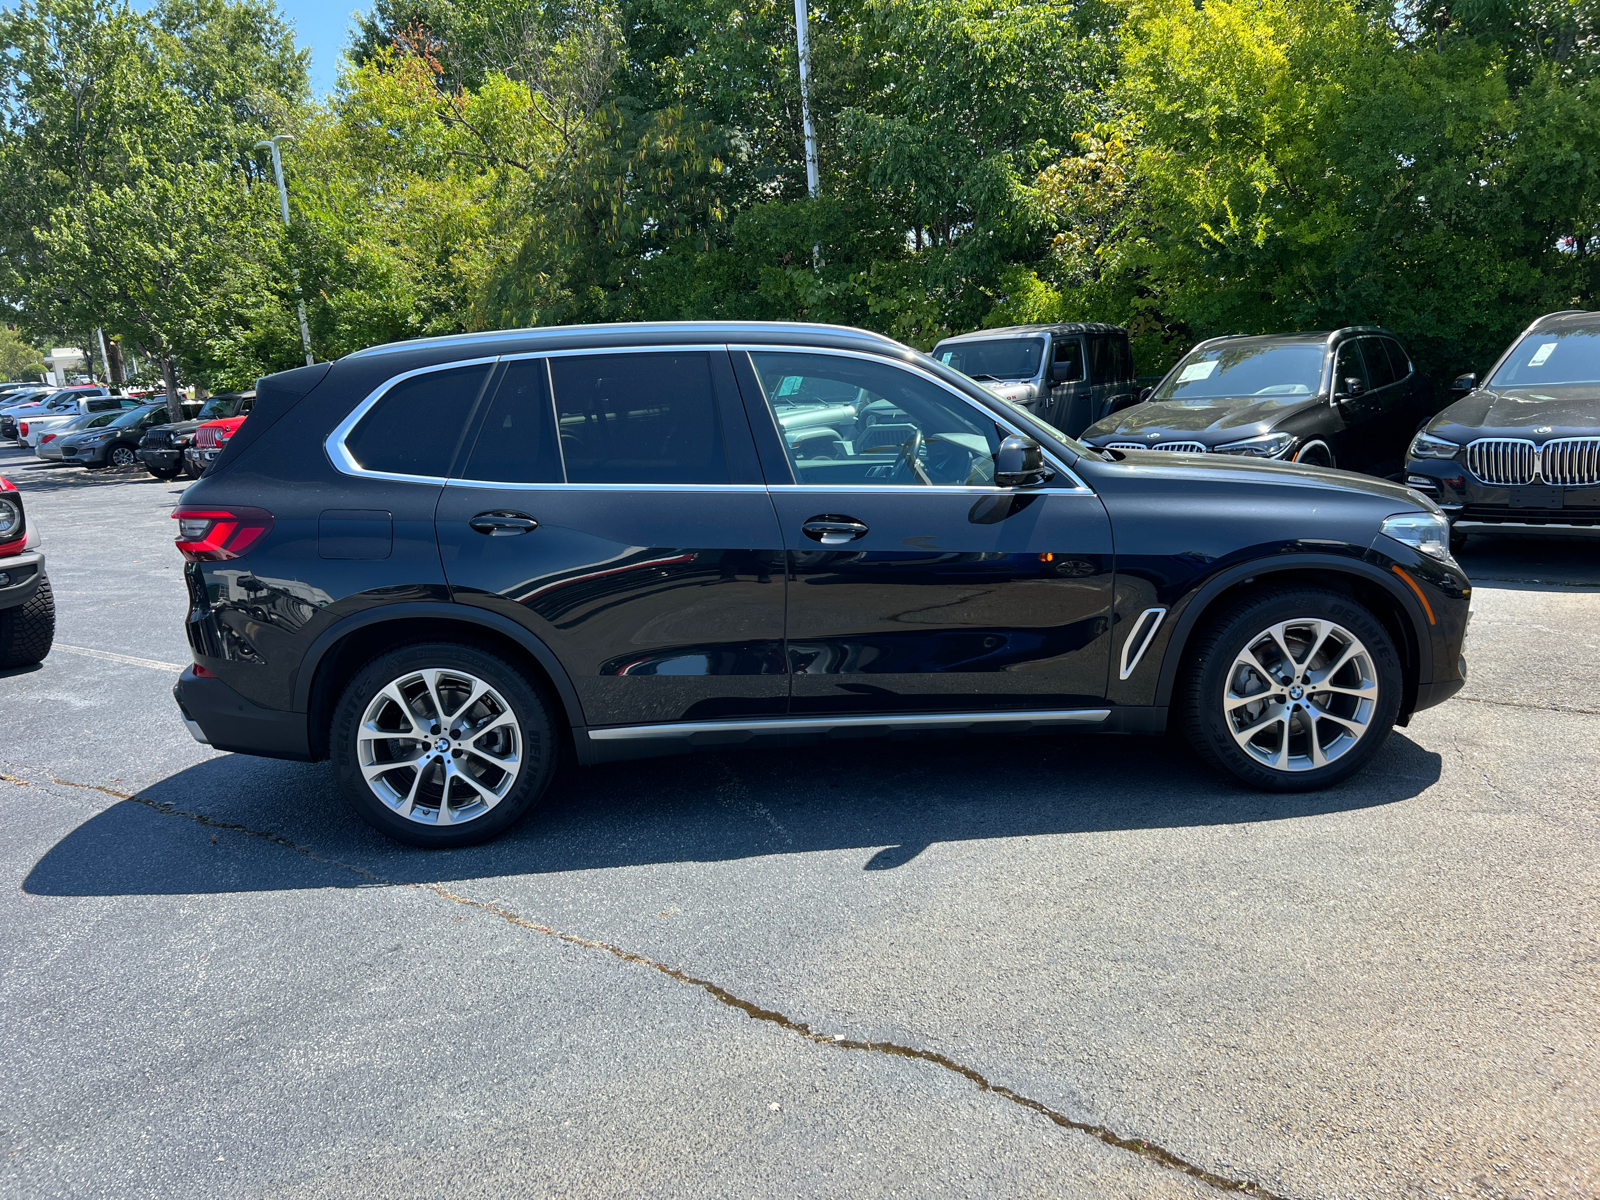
column 503, row 524
column 833, row 531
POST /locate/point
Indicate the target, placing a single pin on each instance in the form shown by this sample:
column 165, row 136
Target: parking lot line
column 126, row 659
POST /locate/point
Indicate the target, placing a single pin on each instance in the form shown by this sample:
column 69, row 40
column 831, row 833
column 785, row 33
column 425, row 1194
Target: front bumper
column 161, row 457
column 20, row 575
column 84, row 456
column 199, row 460
column 219, row 716
column 1473, row 505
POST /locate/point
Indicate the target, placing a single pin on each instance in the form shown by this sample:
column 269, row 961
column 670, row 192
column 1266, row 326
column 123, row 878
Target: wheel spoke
column 1350, row 651
column 1366, row 689
column 1246, row 733
column 489, row 796
column 479, row 689
column 392, row 692
column 504, row 719
column 1234, row 700
column 1318, row 758
column 430, row 680
column 508, row 764
column 410, row 801
column 372, row 771
column 1356, row 728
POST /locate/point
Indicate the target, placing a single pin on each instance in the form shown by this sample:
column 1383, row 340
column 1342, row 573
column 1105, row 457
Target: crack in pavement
column 1566, row 708
column 1147, row 1150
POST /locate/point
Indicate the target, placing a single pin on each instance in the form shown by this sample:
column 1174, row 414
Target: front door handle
column 503, row 524
column 834, row 531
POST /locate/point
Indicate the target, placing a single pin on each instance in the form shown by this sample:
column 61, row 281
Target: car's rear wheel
column 27, row 630
column 442, row 744
column 1292, row 690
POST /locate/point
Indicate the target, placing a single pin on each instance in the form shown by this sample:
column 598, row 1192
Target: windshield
column 1552, row 359
column 1234, row 371
column 218, row 407
column 994, row 358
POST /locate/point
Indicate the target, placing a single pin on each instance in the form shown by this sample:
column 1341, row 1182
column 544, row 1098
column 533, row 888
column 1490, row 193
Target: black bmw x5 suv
column 444, row 564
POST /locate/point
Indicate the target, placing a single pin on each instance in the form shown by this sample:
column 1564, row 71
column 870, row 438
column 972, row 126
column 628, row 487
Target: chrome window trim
column 687, row 347
column 340, row 455
column 915, row 369
column 683, row 729
column 458, row 482
column 1131, row 661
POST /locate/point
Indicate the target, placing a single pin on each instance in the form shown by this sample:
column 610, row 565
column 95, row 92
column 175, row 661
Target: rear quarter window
column 415, row 428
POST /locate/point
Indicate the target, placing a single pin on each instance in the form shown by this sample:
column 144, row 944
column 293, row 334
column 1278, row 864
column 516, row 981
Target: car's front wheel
column 163, row 472
column 1292, row 689
column 27, row 630
column 442, row 744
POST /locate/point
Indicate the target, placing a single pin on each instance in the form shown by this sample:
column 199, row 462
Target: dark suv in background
column 162, row 448
column 611, row 543
column 1522, row 451
column 1066, row 375
column 1350, row 398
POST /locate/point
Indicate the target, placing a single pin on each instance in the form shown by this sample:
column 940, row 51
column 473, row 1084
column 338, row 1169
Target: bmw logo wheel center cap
column 1297, row 692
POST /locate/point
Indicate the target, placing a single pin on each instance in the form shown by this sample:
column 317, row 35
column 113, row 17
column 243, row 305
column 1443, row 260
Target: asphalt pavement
column 1071, row 966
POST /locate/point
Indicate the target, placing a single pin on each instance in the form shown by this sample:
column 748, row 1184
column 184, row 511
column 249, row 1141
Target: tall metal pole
column 283, row 199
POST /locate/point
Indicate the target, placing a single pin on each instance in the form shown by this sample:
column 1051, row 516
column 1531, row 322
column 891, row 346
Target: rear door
column 915, row 584
column 1358, row 441
column 611, row 503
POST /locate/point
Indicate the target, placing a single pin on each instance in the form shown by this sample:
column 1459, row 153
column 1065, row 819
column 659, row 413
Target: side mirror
column 1065, row 372
column 1353, row 386
column 1020, row 463
column 1146, row 393
column 1465, row 383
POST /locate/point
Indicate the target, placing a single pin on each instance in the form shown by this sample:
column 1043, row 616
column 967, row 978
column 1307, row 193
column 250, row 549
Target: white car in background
column 31, row 426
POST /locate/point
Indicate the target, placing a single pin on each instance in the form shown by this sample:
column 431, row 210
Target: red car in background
column 27, row 609
column 209, row 440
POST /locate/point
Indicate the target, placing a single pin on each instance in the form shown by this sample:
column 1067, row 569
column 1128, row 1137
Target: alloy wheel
column 121, row 456
column 1301, row 694
column 439, row 747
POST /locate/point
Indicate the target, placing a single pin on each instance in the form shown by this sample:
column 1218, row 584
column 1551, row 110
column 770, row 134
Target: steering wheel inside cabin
column 909, row 464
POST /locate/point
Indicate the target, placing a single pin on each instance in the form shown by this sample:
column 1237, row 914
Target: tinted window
column 638, row 418
column 1070, row 351
column 1379, row 369
column 1348, row 366
column 1398, row 359
column 104, row 404
column 994, row 358
column 517, row 441
column 1102, row 368
column 904, row 429
column 1122, row 356
column 1245, row 370
column 414, row 429
column 1552, row 359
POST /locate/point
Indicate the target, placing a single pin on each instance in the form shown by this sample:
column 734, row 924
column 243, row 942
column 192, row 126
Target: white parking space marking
column 126, row 659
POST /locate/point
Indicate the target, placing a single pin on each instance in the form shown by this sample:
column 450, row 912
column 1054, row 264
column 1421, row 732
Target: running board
column 727, row 731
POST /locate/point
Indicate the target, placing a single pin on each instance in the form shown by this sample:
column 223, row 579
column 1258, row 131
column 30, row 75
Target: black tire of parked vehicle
column 189, row 471
column 27, row 630
column 527, row 702
column 1458, row 540
column 1316, row 455
column 1209, row 667
column 163, row 472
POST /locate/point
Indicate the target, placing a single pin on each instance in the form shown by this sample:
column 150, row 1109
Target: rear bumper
column 21, row 574
column 219, row 716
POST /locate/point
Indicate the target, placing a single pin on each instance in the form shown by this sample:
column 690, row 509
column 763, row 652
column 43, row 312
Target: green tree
column 19, row 359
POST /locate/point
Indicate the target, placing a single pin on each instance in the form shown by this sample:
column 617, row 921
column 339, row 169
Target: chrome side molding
column 1140, row 637
column 889, row 724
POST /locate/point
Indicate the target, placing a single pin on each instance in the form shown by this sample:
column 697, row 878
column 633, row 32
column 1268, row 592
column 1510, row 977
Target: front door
column 612, row 504
column 915, row 584
column 1071, row 395
column 1356, row 445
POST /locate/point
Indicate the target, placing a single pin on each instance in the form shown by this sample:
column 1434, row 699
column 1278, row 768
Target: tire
column 121, row 456
column 163, row 472
column 1458, row 540
column 189, row 472
column 487, row 781
column 28, row 629
column 1242, row 656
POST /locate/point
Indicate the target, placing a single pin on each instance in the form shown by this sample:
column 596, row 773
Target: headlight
column 1427, row 532
column 1268, row 445
column 1425, row 445
column 10, row 517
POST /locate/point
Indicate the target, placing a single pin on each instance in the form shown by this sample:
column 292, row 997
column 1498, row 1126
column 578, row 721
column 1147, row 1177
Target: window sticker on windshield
column 1541, row 354
column 1200, row 370
column 947, row 356
column 790, row 385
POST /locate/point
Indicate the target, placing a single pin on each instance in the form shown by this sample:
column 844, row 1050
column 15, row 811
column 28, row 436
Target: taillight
column 49, row 437
column 215, row 534
column 22, row 428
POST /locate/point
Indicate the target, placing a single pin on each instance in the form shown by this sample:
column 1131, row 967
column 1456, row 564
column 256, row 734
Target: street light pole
column 802, row 36
column 283, row 199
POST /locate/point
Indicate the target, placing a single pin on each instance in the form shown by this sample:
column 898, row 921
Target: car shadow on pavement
column 236, row 824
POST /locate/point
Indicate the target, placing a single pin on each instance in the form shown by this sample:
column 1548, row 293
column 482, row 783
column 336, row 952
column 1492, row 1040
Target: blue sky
column 321, row 26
